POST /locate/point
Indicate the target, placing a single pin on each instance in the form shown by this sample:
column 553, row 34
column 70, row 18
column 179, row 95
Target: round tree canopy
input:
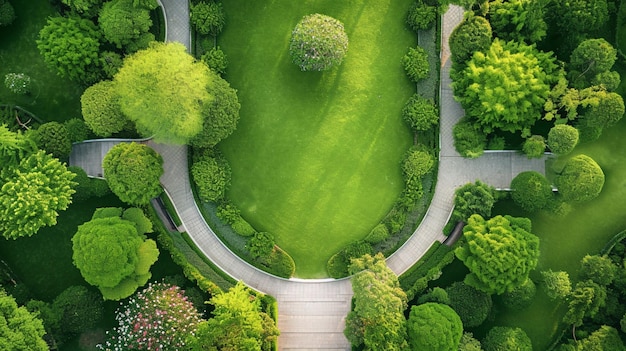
column 318, row 43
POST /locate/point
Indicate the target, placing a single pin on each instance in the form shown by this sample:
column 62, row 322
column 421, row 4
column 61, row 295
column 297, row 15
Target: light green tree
column 558, row 284
column 499, row 253
column 506, row 87
column 112, row 255
column 434, row 327
column 32, row 193
column 377, row 321
column 14, row 146
column 19, row 329
column 133, row 172
column 164, row 91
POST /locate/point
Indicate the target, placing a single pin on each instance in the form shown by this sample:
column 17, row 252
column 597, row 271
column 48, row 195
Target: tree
column 133, row 171
column 599, row 269
column 534, row 147
column 101, row 109
column 122, row 23
column 261, row 245
column 558, row 285
column 506, row 339
column 216, row 59
column 415, row 64
column 80, row 309
column 112, row 255
column 605, row 338
column 208, row 17
column 472, row 305
column 606, row 109
column 520, row 297
column 473, row 198
column 562, row 139
column 220, row 116
column 14, row 146
column 592, row 57
column 237, row 324
column 506, row 87
column 377, row 319
column 7, row 13
column 580, row 180
column 421, row 16
column 420, row 113
column 163, row 90
column 531, row 191
column 85, row 8
column 471, row 35
column 32, row 193
column 499, row 253
column 519, row 20
column 318, row 43
column 434, row 327
column 70, row 45
column 469, row 141
column 19, row 329
column 584, row 301
column 54, row 138
column 211, row 177
column 468, row 343
column 580, row 16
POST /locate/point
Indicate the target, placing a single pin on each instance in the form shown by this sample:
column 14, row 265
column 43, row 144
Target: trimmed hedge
column 415, row 280
column 415, row 64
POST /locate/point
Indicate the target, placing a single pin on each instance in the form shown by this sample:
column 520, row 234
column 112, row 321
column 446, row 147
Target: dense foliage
column 318, row 43
column 420, row 113
column 562, row 139
column 472, row 305
column 434, row 327
column 133, row 171
column 520, row 297
column 212, row 177
column 54, row 138
column 580, row 180
column 531, row 191
column 519, row 20
column 421, row 15
column 208, row 17
column 473, row 198
column 534, row 147
column 101, row 109
column 124, row 24
column 469, row 140
column 19, row 329
column 506, row 339
column 557, row 284
column 415, row 64
column 471, row 35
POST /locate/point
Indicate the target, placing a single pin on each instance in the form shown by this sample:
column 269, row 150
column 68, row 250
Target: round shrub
column 434, row 327
column 471, row 35
column 534, row 147
column 378, row 234
column 562, row 139
column 208, row 17
column 242, row 227
column 420, row 113
column 17, row 83
column 101, row 109
column 54, row 139
column 261, row 244
column 507, row 339
column 216, row 59
column 415, row 64
column 469, row 141
column 318, row 43
column 421, row 16
column 581, row 180
column 417, row 162
column 531, row 191
column 472, row 305
column 77, row 129
column 211, row 178
column 593, row 56
column 521, row 296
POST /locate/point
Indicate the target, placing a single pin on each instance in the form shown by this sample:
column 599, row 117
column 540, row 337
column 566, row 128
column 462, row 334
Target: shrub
column 473, row 198
column 562, row 139
column 77, row 130
column 208, row 17
column 581, row 179
column 216, row 59
column 521, row 296
column 212, row 178
column 420, row 113
column 472, row 305
column 471, row 35
column 417, row 162
column 318, row 43
column 507, row 338
column 17, row 83
column 80, row 309
column 54, row 138
column 608, row 80
column 415, row 64
column 421, row 16
column 261, row 244
column 436, row 294
column 101, row 109
column 557, row 284
column 339, row 263
column 534, row 147
column 378, row 234
column 531, row 191
column 279, row 263
column 469, row 141
column 242, row 227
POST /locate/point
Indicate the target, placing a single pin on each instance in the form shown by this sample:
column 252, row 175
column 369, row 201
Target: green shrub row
column 428, row 268
column 169, row 207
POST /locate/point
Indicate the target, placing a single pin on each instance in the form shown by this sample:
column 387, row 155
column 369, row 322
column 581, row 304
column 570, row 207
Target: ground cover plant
column 309, row 143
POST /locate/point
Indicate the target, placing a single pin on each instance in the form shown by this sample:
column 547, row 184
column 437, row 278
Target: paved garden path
column 312, row 312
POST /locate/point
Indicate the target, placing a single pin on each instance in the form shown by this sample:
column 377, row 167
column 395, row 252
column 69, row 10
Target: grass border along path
column 316, row 156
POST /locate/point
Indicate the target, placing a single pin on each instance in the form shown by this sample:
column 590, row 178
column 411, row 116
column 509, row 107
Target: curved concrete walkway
column 312, row 312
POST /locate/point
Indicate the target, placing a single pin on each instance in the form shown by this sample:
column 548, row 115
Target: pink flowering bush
column 159, row 318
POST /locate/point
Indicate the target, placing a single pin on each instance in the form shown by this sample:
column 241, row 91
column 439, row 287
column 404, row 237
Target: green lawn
column 53, row 98
column 316, row 156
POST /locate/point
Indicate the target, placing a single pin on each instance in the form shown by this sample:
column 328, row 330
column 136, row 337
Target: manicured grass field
column 53, row 98
column 316, row 156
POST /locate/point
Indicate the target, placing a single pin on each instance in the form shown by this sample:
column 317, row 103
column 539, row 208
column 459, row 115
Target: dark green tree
column 32, row 193
column 499, row 253
column 211, row 177
column 592, row 57
column 101, row 109
column 164, row 91
column 599, row 269
column 472, row 305
column 70, row 45
column 507, row 339
column 519, row 20
column 318, row 43
column 77, row 130
column 122, row 23
column 19, row 329
column 54, row 138
column 133, row 172
column 377, row 320
column 80, row 309
column 580, row 180
column 216, row 59
column 473, row 198
column 576, row 17
column 531, row 191
column 208, row 17
column 585, row 300
column 434, row 327
column 557, row 284
column 85, row 8
column 506, row 87
column 421, row 15
column 562, row 139
column 261, row 244
column 472, row 34
column 420, row 113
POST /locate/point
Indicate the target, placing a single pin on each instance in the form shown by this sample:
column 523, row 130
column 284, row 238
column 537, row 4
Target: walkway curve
column 312, row 312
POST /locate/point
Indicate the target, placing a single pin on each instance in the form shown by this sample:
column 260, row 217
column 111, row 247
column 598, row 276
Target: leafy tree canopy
column 318, row 43
column 473, row 198
column 585, row 300
column 605, row 338
column 531, row 191
column 580, row 180
column 562, row 139
column 420, row 113
column 54, row 138
column 472, row 305
column 558, row 285
column 101, row 109
column 593, row 56
column 506, row 87
column 133, row 171
column 472, row 34
column 599, row 269
column 164, row 91
column 122, row 23
column 519, row 20
column 499, row 252
column 434, row 327
column 85, row 8
column 19, row 329
column 507, row 338
column 208, row 17
column 580, row 16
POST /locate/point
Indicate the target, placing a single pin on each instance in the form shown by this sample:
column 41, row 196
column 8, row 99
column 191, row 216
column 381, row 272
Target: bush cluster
column 212, row 177
column 216, row 59
column 339, row 263
column 415, row 64
column 420, row 113
column 421, row 16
